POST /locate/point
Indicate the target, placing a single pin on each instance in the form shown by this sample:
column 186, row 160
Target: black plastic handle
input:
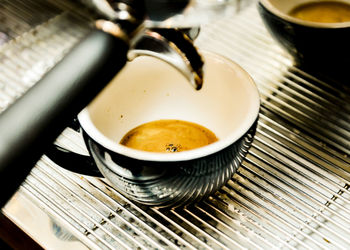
column 33, row 122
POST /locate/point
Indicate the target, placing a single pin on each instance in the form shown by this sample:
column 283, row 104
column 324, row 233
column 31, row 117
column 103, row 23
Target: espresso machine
column 123, row 30
column 292, row 191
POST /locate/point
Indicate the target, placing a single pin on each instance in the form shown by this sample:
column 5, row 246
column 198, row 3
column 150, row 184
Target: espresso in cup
column 323, row 12
column 168, row 136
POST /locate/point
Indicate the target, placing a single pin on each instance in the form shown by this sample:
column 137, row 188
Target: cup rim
column 87, row 125
column 270, row 7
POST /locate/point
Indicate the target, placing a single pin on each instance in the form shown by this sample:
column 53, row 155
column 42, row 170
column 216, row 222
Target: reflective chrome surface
column 291, row 192
column 175, row 48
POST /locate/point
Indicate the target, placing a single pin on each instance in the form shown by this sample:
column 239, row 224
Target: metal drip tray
column 291, row 192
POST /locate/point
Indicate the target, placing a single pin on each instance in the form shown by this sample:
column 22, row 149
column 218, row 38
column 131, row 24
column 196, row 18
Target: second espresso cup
column 321, row 47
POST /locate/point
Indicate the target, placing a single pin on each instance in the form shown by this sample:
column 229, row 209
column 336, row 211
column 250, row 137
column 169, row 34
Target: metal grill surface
column 291, row 192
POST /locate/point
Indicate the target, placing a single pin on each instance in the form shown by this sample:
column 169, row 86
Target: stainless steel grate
column 291, row 192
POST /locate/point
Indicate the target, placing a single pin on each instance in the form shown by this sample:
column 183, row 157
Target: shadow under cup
column 322, row 48
column 148, row 89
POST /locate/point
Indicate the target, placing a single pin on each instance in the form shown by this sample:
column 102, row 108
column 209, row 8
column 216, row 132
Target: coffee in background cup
column 323, row 12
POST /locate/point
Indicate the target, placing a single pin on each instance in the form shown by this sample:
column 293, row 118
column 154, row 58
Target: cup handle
column 78, row 163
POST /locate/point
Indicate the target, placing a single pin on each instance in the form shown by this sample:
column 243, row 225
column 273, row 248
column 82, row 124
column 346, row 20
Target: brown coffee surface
column 168, row 136
column 323, row 12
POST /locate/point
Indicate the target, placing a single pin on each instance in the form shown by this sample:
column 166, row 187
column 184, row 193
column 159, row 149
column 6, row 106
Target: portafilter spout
column 173, row 46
